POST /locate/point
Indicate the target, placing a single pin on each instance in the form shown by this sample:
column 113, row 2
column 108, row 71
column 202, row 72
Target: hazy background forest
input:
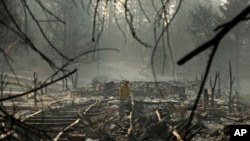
column 188, row 58
column 69, row 26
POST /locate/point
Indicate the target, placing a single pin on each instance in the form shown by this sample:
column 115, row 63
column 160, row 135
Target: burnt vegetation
column 48, row 90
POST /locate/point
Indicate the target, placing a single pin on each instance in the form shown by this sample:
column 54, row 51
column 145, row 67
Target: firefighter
column 124, row 91
column 125, row 104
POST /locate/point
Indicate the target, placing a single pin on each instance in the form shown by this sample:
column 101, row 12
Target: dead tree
column 235, row 101
column 219, row 88
column 35, row 81
column 3, row 85
column 231, row 79
column 217, row 75
column 74, row 80
column 65, row 83
column 97, row 85
column 46, row 88
column 205, row 99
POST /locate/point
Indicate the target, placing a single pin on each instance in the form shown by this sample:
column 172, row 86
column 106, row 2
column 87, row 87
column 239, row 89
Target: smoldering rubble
column 157, row 112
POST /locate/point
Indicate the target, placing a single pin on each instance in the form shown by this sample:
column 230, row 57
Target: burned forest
column 124, row 70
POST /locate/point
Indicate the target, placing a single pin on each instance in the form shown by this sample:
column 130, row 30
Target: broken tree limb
column 85, row 111
column 155, row 102
column 130, row 117
column 130, row 123
column 3, row 136
column 66, row 128
column 177, row 135
column 158, row 115
column 189, row 137
column 83, row 114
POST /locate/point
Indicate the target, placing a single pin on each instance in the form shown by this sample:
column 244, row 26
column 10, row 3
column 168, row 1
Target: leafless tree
column 213, row 86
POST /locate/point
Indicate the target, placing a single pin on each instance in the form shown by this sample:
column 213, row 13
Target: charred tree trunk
column 65, row 44
column 237, row 102
column 231, row 78
column 2, row 88
column 46, row 88
column 205, row 99
column 219, row 88
column 74, row 80
column 213, row 88
column 35, row 86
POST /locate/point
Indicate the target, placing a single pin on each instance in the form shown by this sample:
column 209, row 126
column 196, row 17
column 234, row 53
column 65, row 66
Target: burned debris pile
column 154, row 112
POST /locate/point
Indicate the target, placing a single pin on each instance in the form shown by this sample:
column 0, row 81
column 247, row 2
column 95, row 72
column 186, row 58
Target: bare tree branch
column 117, row 23
column 129, row 19
column 143, row 11
column 43, row 33
column 49, row 12
column 158, row 40
column 23, row 36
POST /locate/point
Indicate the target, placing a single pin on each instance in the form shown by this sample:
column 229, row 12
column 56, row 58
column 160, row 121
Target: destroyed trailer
column 91, row 114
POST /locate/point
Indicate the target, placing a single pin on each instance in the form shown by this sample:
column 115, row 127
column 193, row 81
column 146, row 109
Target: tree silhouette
column 213, row 43
column 203, row 21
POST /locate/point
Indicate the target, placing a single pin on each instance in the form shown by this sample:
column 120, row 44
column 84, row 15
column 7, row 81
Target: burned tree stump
column 205, row 100
column 35, row 81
